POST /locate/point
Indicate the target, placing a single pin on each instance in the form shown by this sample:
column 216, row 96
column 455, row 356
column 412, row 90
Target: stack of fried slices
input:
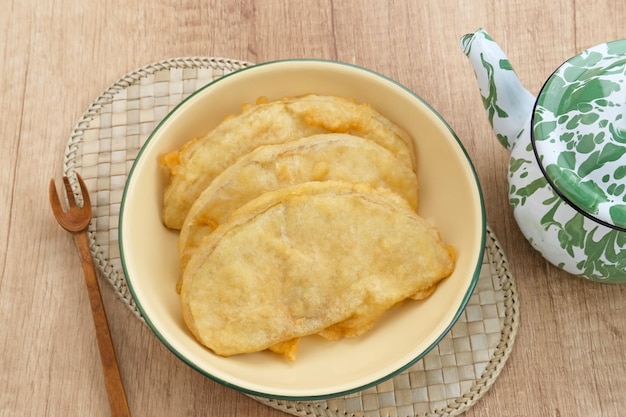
column 298, row 217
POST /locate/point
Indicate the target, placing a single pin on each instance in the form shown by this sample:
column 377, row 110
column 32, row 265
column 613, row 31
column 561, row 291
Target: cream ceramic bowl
column 449, row 196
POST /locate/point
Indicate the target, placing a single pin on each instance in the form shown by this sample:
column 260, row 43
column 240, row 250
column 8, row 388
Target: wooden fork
column 76, row 220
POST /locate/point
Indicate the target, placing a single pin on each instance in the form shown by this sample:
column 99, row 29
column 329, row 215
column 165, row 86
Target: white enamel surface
column 449, row 197
column 580, row 245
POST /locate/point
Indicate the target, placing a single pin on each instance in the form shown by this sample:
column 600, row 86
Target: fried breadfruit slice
column 323, row 157
column 323, row 258
column 198, row 162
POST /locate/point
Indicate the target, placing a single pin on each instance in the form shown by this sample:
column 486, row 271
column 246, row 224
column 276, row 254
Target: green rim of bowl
column 194, row 366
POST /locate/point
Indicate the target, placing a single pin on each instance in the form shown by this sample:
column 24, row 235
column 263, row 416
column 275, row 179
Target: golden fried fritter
column 194, row 166
column 323, row 258
column 330, row 156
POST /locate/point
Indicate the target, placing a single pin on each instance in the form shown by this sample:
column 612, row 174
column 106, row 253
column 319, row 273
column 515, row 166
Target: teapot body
column 567, row 238
column 563, row 236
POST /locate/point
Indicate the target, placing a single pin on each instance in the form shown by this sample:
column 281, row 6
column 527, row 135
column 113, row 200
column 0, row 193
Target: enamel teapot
column 567, row 168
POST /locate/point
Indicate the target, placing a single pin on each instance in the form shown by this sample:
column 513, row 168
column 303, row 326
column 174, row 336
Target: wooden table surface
column 56, row 57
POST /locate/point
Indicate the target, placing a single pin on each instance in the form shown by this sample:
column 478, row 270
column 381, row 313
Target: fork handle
column 112, row 377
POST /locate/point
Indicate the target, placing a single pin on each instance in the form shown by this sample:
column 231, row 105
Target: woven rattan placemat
column 446, row 382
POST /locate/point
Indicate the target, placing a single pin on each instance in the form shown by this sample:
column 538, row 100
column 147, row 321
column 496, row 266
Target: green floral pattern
column 565, row 237
column 580, row 131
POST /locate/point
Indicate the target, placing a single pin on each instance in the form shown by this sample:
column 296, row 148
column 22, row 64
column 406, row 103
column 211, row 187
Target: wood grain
column 56, row 57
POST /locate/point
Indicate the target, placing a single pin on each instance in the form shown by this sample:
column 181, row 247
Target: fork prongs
column 83, row 192
column 76, row 219
column 69, row 192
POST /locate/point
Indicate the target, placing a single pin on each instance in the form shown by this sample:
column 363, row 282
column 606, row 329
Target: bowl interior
column 449, row 197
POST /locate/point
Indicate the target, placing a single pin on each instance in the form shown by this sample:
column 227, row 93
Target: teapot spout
column 508, row 104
